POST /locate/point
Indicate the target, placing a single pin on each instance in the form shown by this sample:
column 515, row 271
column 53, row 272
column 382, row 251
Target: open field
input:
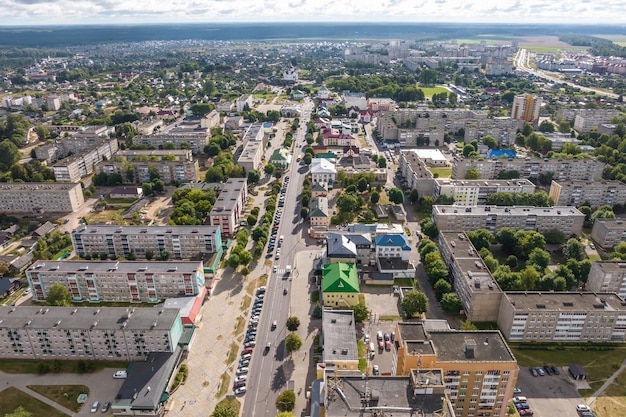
column 64, row 395
column 11, row 398
column 429, row 91
column 616, row 39
column 613, row 400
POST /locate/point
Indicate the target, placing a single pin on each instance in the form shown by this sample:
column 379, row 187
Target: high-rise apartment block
column 594, row 193
column 526, row 107
column 40, row 197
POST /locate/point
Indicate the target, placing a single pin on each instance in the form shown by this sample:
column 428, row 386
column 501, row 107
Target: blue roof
column 392, row 239
column 499, row 153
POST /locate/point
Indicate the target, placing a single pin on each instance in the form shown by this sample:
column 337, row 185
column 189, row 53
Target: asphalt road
column 269, row 372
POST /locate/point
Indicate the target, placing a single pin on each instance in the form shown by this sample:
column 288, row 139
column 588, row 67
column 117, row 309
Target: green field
column 11, row 398
column 64, row 395
column 429, row 91
column 444, row 172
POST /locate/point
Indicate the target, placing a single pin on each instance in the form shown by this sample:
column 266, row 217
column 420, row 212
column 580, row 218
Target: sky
column 44, row 12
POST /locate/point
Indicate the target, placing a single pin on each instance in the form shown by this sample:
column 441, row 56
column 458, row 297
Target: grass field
column 14, row 366
column 613, row 401
column 64, row 395
column 11, row 398
column 444, row 172
column 429, row 91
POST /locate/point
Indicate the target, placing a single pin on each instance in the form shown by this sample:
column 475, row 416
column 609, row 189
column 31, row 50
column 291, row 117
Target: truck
column 287, row 273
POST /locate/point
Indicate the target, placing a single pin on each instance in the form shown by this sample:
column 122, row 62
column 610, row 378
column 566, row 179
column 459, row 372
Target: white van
column 120, row 375
column 372, row 347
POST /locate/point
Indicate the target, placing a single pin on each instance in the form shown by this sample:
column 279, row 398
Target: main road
column 270, row 372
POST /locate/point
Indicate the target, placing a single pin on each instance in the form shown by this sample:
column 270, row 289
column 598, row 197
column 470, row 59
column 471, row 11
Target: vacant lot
column 613, row 400
column 11, row 398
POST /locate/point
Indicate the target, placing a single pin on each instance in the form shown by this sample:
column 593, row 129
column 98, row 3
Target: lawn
column 224, row 384
column 429, row 91
column 64, row 395
column 362, row 349
column 233, row 353
column 231, row 403
column 443, row 172
column 15, row 366
column 613, row 401
column 11, row 398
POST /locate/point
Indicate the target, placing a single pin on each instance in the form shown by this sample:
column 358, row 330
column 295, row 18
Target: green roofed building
column 340, row 285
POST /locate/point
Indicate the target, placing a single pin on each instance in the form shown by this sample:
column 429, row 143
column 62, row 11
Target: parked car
column 379, row 335
column 366, row 338
column 520, row 399
column 517, row 390
column 541, row 372
column 582, row 407
column 241, row 378
column 246, row 351
column 381, row 345
column 555, row 370
column 527, row 412
column 242, row 370
column 522, row 406
column 240, row 391
column 375, row 370
column 105, row 407
column 246, row 356
column 386, row 337
column 548, row 369
column 239, row 384
column 387, row 345
column 95, row 406
column 120, row 375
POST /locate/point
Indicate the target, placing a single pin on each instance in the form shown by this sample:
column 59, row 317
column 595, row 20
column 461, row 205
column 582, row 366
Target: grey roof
column 84, row 318
column 37, row 186
column 340, row 245
column 44, row 229
column 124, row 266
column 229, row 196
column 153, row 230
column 565, row 301
column 489, row 346
column 339, row 336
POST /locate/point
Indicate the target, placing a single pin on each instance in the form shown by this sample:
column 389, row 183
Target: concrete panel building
column 230, row 205
column 77, row 166
column 594, row 193
column 608, row 277
column 608, row 232
column 475, row 192
column 415, row 173
column 180, row 242
column 181, row 137
column 562, row 316
column 111, row 281
column 541, row 219
column 135, row 166
column 526, row 107
column 40, row 197
column 90, row 333
column 240, row 104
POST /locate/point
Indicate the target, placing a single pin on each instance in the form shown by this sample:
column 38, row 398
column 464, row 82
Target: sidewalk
column 592, row 399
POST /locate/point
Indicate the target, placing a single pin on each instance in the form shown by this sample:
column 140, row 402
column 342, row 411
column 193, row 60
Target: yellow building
column 340, row 285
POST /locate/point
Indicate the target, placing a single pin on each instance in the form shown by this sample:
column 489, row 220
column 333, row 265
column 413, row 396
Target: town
column 317, row 228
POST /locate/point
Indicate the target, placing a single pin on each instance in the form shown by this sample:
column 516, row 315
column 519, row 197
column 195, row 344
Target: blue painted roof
column 499, row 153
column 392, row 239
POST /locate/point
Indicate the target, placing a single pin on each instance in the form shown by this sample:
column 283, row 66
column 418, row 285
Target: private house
column 323, row 171
column 126, row 193
column 318, row 212
column 340, row 285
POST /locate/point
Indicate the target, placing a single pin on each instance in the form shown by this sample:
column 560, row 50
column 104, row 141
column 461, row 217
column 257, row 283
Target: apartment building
column 585, row 121
column 526, row 107
column 182, row 137
column 251, row 156
column 475, row 192
column 210, row 120
column 112, row 281
column 137, row 167
column 83, row 163
column 82, row 139
column 562, row 316
column 90, row 333
column 502, row 129
column 243, row 101
column 180, row 242
column 607, row 277
column 594, row 193
column 40, row 197
column 478, row 368
column 541, row 219
column 478, row 291
column 608, row 232
column 416, row 173
column 227, row 212
column 562, row 169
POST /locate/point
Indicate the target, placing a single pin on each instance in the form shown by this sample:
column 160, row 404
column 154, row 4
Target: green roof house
column 340, row 285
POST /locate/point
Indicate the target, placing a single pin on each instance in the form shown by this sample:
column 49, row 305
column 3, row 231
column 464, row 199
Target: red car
column 387, row 345
column 246, row 351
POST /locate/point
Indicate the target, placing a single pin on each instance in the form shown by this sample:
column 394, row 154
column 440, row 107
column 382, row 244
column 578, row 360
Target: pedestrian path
column 592, row 399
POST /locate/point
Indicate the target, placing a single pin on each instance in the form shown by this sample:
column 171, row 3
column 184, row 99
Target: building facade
column 137, row 167
column 178, row 242
column 416, row 173
column 77, row 166
column 111, row 281
column 594, row 193
column 526, row 107
column 181, row 138
column 228, row 210
column 40, row 197
column 475, row 192
column 340, row 285
column 608, row 232
column 607, row 277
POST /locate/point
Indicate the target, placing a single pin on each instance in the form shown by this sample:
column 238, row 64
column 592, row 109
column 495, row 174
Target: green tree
column 528, row 278
column 564, row 126
column 361, row 313
column 58, row 295
column 382, row 162
column 547, row 126
column 468, row 326
column 9, row 155
column 490, row 142
column 374, row 197
column 414, row 302
column 450, row 303
column 254, row 176
column 467, row 149
column 441, row 287
column 286, row 400
column 554, row 236
column 429, row 228
column 293, row 343
column 428, row 76
column 472, row 174
column 19, row 412
column 292, row 323
column 396, row 195
column 225, row 409
column 539, row 258
column 574, row 249
column 481, row 238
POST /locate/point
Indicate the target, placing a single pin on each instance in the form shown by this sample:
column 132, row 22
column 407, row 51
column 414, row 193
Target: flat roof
column 116, row 266
column 566, row 301
column 564, row 211
column 37, row 186
column 489, row 346
column 412, row 331
column 151, row 230
column 228, row 197
column 611, row 266
column 84, row 318
column 594, row 184
column 485, row 183
column 434, row 154
column 339, row 336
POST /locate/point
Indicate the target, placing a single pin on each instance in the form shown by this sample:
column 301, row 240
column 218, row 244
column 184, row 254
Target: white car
column 241, row 378
column 95, row 406
column 242, row 371
column 582, row 407
column 240, row 391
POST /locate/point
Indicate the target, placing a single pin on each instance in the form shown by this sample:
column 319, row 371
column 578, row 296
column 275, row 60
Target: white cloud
column 33, row 12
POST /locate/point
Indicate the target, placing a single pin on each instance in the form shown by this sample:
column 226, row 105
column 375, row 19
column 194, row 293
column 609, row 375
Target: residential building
column 254, row 133
column 40, row 197
column 339, row 339
column 127, row 193
column 137, row 167
column 592, row 193
column 562, row 317
column 113, row 281
column 347, row 247
column 526, row 107
column 179, row 242
column 242, row 102
column 148, row 127
column 340, row 285
column 281, row 158
column 608, row 233
column 210, row 120
column 377, row 104
column 334, row 137
column 252, row 155
column 585, row 121
column 289, row 110
column 82, row 139
column 541, row 219
column 324, row 172
column 81, row 164
column 87, row 333
column 561, row 169
column 607, row 277
column 290, row 74
column 318, row 190
column 416, row 174
column 392, row 245
column 323, row 93
column 233, row 123
column 475, row 192
column 318, row 212
column 478, row 368
column 476, row 288
column 182, row 137
column 431, row 157
column 502, row 129
column 228, row 209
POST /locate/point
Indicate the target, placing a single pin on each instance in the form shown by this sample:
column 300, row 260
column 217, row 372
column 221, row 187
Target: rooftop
column 566, row 301
column 450, row 346
column 564, row 211
column 485, row 183
column 229, row 196
column 37, row 186
column 392, row 240
column 111, row 266
column 151, row 230
column 432, row 154
column 339, row 336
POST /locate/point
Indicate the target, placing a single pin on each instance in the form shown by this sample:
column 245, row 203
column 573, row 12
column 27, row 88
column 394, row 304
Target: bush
column 315, row 296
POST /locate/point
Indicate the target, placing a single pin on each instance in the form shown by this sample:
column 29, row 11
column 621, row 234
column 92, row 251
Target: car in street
column 522, row 406
column 105, row 407
column 267, row 348
column 387, row 345
column 275, row 269
column 95, row 406
column 526, row 412
column 285, row 291
column 274, row 325
column 240, row 391
column 386, row 337
column 517, row 390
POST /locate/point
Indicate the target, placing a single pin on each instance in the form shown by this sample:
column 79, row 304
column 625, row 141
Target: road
column 521, row 63
column 261, row 397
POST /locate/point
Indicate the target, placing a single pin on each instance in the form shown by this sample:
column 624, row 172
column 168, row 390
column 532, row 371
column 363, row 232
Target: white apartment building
column 608, row 277
column 112, row 281
column 562, row 317
column 416, row 173
column 241, row 102
column 90, row 333
column 228, row 210
column 180, row 242
column 608, row 232
column 210, row 120
column 475, row 192
column 251, row 156
column 135, row 166
column 40, row 197
column 181, row 137
column 596, row 193
column 77, row 166
column 541, row 219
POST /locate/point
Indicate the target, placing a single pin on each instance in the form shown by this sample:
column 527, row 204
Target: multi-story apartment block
column 476, row 288
column 594, row 193
column 180, row 242
column 77, row 166
column 39, row 197
column 475, row 192
column 461, row 218
column 416, row 173
column 526, row 107
column 128, row 281
column 562, row 316
column 502, row 129
column 136, row 167
column 83, row 139
column 562, row 169
column 182, row 137
column 608, row 232
column 607, row 277
column 478, row 368
column 242, row 101
column 210, row 120
column 87, row 332
column 230, row 205
column 585, row 121
column 251, row 156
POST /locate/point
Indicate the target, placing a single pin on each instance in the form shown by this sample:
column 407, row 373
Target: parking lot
column 550, row 395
